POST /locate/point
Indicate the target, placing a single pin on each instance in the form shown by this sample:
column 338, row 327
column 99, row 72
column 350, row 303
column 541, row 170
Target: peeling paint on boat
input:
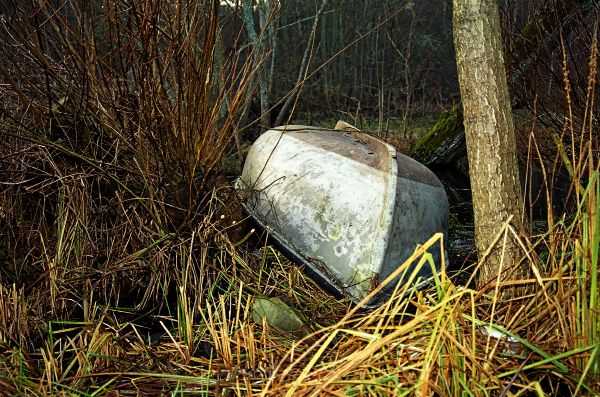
column 337, row 201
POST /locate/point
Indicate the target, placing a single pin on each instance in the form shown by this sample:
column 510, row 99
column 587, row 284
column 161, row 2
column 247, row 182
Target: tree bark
column 259, row 53
column 489, row 129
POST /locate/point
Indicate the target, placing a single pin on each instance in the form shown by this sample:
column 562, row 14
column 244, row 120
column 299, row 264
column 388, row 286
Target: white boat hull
column 344, row 203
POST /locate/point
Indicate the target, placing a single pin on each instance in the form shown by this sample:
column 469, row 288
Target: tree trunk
column 259, row 53
column 490, row 135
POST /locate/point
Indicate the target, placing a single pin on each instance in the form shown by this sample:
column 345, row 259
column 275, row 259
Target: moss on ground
column 448, row 125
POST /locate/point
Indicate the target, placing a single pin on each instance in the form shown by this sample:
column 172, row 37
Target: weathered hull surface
column 344, row 203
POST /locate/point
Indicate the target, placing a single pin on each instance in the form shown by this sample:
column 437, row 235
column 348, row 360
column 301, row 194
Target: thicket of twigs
column 121, row 270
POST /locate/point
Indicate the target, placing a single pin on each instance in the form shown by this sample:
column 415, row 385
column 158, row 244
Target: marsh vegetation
column 127, row 266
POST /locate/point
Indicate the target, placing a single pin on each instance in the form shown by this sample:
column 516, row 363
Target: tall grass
column 124, row 268
column 115, row 122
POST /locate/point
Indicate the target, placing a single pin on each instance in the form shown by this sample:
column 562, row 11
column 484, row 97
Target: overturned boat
column 343, row 203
